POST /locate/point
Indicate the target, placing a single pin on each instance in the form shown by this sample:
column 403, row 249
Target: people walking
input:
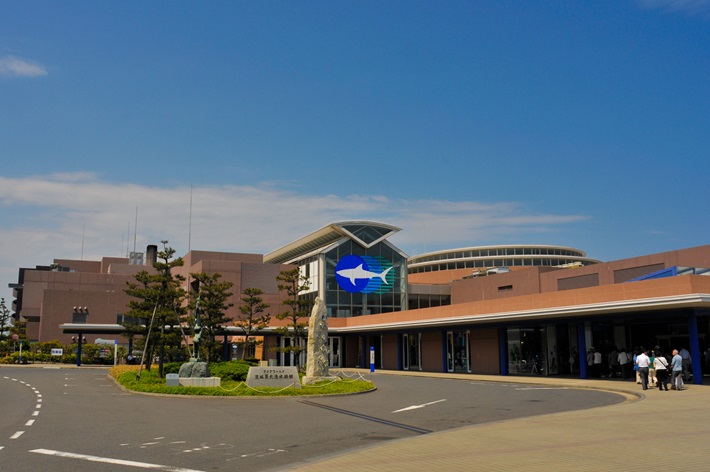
column 685, row 355
column 643, row 362
column 677, row 368
column 624, row 362
column 613, row 361
column 597, row 367
column 662, row 366
column 652, row 380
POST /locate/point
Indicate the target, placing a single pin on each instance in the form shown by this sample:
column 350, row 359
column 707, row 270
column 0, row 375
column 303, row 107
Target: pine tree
column 4, row 319
column 253, row 318
column 159, row 295
column 213, row 296
column 293, row 283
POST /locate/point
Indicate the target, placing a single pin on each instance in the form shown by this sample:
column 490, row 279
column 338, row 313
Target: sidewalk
column 651, row 430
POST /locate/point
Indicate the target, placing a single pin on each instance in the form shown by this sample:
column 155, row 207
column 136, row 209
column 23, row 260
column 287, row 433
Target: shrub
column 232, row 370
column 172, row 367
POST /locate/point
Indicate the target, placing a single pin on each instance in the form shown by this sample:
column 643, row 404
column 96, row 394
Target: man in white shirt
column 643, row 361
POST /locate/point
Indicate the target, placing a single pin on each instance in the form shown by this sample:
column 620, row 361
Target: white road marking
column 2, row 447
column 107, row 460
column 265, row 453
column 414, row 407
column 30, row 422
column 35, row 413
column 17, row 435
column 541, row 388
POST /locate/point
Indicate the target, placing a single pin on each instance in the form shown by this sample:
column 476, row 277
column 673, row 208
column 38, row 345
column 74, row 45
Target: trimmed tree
column 213, row 295
column 4, row 319
column 297, row 308
column 253, row 317
column 159, row 295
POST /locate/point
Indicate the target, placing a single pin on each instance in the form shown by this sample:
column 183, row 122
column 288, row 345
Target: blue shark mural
column 364, row 274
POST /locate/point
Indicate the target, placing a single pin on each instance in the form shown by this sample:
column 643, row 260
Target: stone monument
column 317, row 363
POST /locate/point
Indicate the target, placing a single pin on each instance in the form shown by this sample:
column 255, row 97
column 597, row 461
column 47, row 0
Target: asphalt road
column 79, row 420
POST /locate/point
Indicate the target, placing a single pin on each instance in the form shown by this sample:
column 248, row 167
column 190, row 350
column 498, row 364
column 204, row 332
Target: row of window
column 481, row 263
column 505, row 251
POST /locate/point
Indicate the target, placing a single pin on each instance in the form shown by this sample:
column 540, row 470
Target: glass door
column 334, row 351
column 450, row 351
column 412, row 352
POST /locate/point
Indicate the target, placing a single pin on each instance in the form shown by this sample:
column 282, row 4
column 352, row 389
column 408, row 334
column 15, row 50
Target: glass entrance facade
column 457, row 351
column 533, row 350
column 360, row 281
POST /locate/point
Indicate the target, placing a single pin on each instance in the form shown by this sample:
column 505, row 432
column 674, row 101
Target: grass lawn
column 151, row 383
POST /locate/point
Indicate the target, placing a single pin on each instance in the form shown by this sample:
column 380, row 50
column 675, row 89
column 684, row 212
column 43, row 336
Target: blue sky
column 464, row 122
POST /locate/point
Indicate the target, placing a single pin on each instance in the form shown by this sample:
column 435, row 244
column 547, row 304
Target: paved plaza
column 651, row 430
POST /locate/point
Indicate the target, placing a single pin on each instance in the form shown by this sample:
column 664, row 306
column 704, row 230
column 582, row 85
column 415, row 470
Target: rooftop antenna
column 135, row 230
column 83, row 230
column 189, row 231
column 128, row 238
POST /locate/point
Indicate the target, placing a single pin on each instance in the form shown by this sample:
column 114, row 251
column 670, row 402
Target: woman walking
column 661, row 365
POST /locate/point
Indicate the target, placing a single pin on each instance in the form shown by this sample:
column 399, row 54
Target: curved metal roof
column 364, row 233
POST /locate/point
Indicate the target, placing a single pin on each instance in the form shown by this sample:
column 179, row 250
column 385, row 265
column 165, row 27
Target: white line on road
column 414, row 407
column 17, row 435
column 30, row 422
column 107, row 460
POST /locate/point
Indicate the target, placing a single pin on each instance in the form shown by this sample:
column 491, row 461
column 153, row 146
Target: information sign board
column 273, row 377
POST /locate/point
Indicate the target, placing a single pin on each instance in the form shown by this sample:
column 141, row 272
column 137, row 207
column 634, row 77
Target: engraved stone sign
column 273, row 377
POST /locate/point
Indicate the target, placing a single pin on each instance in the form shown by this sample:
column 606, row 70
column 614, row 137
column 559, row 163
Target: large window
column 389, row 295
column 533, row 350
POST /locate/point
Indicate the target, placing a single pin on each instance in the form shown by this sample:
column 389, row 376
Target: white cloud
column 70, row 216
column 11, row 66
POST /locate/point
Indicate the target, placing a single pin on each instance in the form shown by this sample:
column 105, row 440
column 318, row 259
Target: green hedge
column 150, row 382
column 95, row 354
